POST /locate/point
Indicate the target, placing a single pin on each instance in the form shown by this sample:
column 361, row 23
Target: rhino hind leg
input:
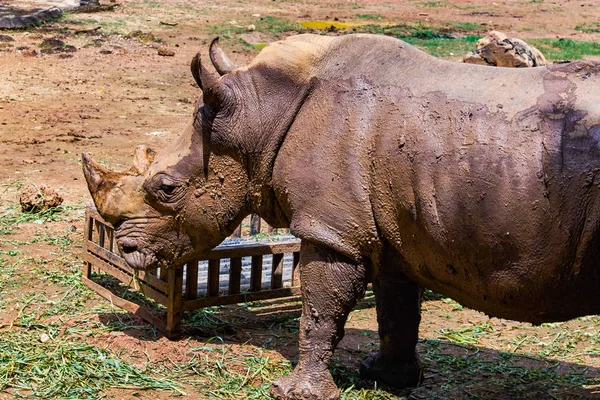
column 331, row 285
column 398, row 314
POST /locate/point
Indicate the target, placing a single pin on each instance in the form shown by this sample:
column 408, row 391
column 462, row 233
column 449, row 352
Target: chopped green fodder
column 223, row 375
column 54, row 368
column 12, row 215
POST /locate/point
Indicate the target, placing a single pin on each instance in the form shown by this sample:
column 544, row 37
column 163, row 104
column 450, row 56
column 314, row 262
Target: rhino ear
column 142, row 158
column 204, row 78
column 219, row 59
column 213, row 91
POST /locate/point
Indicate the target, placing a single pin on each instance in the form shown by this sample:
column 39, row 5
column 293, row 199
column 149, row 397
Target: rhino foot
column 394, row 373
column 301, row 386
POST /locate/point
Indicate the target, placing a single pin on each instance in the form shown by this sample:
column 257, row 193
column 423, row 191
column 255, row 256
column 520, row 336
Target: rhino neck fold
column 278, row 99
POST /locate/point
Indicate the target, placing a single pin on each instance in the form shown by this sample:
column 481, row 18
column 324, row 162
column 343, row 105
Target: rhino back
column 483, row 178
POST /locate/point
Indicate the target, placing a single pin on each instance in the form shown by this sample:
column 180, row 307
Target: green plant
column 369, row 16
column 588, row 27
column 566, row 49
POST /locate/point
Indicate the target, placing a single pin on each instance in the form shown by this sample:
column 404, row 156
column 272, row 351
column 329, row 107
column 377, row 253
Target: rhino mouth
column 142, row 261
column 136, row 258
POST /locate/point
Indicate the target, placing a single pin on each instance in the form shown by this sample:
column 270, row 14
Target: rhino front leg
column 331, row 285
column 398, row 313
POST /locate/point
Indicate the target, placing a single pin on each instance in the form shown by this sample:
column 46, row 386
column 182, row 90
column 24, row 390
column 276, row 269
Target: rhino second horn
column 219, row 59
column 142, row 158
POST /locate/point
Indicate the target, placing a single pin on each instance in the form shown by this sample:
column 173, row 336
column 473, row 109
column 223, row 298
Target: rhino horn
column 100, row 180
column 142, row 158
column 219, row 59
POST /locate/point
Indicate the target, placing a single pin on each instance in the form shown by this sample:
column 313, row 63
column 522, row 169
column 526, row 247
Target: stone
column 497, row 49
column 163, row 51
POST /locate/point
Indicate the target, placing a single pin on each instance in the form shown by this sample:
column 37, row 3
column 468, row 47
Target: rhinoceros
column 482, row 184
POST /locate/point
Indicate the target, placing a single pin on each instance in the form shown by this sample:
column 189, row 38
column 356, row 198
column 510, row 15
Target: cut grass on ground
column 37, row 364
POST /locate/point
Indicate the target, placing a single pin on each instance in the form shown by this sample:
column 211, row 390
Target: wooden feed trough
column 230, row 273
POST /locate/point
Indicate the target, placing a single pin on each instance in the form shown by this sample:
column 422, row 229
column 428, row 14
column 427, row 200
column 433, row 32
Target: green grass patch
column 566, row 49
column 369, row 16
column 266, row 23
column 418, row 30
column 439, row 3
column 444, row 47
column 466, row 26
column 588, row 27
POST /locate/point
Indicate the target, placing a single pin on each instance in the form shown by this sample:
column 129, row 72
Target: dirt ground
column 105, row 90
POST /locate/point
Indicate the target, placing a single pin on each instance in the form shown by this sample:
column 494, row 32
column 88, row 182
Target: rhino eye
column 165, row 189
column 168, row 192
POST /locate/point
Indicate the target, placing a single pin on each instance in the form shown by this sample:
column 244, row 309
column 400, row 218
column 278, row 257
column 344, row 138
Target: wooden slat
column 257, row 249
column 254, row 224
column 108, row 268
column 89, row 226
column 164, row 275
column 238, row 232
column 111, row 239
column 120, row 263
column 235, row 275
column 175, row 301
column 191, row 280
column 100, row 230
column 126, row 305
column 125, row 278
column 256, row 273
column 213, row 277
column 296, row 269
column 240, row 298
column 277, row 271
column 87, row 229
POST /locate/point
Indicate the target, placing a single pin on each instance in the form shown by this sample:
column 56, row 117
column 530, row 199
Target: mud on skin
column 479, row 183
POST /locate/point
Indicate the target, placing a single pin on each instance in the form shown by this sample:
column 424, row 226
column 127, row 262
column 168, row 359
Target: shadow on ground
column 451, row 371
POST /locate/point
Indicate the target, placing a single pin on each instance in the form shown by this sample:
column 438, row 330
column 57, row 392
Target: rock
column 6, row 38
column 163, row 51
column 44, row 337
column 497, row 49
column 29, row 53
column 54, row 45
column 251, row 28
column 144, row 36
column 34, row 199
column 36, row 18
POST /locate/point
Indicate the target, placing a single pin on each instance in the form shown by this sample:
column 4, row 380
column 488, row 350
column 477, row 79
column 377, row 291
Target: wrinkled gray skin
column 479, row 183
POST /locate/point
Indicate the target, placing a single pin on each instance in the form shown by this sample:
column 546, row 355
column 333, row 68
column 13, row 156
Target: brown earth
column 103, row 92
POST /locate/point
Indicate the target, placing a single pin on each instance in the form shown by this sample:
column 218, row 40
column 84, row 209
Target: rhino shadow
column 452, row 371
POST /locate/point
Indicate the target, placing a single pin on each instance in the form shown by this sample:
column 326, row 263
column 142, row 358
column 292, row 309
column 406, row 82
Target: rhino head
column 177, row 204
